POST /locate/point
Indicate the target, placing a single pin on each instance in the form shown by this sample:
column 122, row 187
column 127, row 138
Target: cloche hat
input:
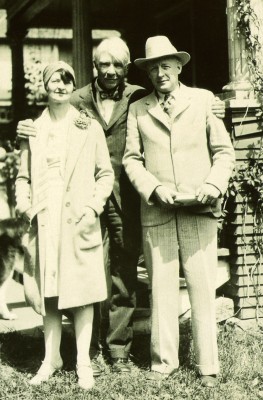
column 54, row 67
column 158, row 47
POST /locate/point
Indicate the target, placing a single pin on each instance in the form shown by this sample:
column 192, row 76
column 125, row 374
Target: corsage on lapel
column 83, row 121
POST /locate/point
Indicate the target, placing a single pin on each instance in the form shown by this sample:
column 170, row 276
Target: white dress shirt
column 105, row 106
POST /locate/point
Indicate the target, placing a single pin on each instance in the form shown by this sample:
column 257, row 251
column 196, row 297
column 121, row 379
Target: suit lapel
column 89, row 104
column 183, row 101
column 181, row 104
column 154, row 108
column 119, row 108
column 76, row 140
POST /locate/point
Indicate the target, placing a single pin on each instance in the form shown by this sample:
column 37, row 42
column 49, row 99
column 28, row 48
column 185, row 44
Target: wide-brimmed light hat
column 158, row 47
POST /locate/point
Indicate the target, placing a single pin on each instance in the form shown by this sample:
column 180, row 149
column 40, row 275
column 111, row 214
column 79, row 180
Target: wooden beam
column 34, row 9
column 26, row 10
column 181, row 5
column 15, row 7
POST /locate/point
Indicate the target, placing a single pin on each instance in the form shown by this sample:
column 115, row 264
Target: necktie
column 112, row 95
column 168, row 104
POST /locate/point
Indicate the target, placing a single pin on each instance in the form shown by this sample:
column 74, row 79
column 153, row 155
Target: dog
column 12, row 231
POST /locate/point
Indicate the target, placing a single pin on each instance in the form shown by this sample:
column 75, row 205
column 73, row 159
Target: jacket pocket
column 87, row 236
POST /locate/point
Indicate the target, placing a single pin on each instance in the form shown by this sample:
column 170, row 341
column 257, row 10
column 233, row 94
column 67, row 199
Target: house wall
column 246, row 283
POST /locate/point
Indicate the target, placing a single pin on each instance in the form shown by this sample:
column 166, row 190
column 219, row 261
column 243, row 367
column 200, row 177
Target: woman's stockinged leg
column 52, row 334
column 83, row 317
column 52, row 331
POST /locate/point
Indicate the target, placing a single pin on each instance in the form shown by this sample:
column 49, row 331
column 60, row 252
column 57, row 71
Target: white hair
column 116, row 47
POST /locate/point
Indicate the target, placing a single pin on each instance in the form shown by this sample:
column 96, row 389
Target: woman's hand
column 90, row 216
column 25, row 219
column 87, row 221
column 26, row 216
column 87, row 233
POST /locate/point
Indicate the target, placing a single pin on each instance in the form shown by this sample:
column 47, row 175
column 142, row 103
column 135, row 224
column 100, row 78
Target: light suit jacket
column 192, row 149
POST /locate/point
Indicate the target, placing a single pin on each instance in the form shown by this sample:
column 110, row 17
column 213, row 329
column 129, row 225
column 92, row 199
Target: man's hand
column 218, row 108
column 207, row 194
column 165, row 196
column 25, row 129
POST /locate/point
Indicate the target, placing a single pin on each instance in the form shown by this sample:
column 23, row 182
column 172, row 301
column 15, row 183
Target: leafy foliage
column 35, row 91
column 248, row 184
column 9, row 161
column 246, row 18
column 248, row 179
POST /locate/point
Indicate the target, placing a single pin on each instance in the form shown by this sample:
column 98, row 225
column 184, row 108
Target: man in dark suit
column 107, row 99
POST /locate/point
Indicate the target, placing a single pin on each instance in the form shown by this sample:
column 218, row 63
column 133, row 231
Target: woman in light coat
column 64, row 180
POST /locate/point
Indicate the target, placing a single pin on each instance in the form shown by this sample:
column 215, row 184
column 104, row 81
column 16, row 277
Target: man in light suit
column 176, row 148
column 107, row 99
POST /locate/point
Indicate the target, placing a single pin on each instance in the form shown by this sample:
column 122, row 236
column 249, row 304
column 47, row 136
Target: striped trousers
column 195, row 236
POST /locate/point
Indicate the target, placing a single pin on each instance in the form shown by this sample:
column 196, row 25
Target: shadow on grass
column 140, row 351
column 240, row 378
column 25, row 353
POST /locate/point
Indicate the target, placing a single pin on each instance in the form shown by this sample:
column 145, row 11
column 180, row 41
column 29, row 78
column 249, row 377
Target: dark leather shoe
column 209, row 381
column 96, row 368
column 120, row 365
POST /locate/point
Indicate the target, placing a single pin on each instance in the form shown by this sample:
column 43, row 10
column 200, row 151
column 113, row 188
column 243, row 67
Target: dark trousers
column 113, row 318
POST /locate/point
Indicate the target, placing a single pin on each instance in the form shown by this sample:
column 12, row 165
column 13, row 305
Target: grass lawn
column 241, row 374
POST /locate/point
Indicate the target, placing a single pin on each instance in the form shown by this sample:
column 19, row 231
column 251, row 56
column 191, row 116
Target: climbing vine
column 246, row 19
column 246, row 186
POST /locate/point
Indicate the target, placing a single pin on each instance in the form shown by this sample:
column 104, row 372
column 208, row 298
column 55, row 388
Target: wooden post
column 238, row 68
column 82, row 41
column 257, row 30
column 16, row 35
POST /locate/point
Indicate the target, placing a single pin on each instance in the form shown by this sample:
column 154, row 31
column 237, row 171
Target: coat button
column 69, row 221
column 67, row 204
